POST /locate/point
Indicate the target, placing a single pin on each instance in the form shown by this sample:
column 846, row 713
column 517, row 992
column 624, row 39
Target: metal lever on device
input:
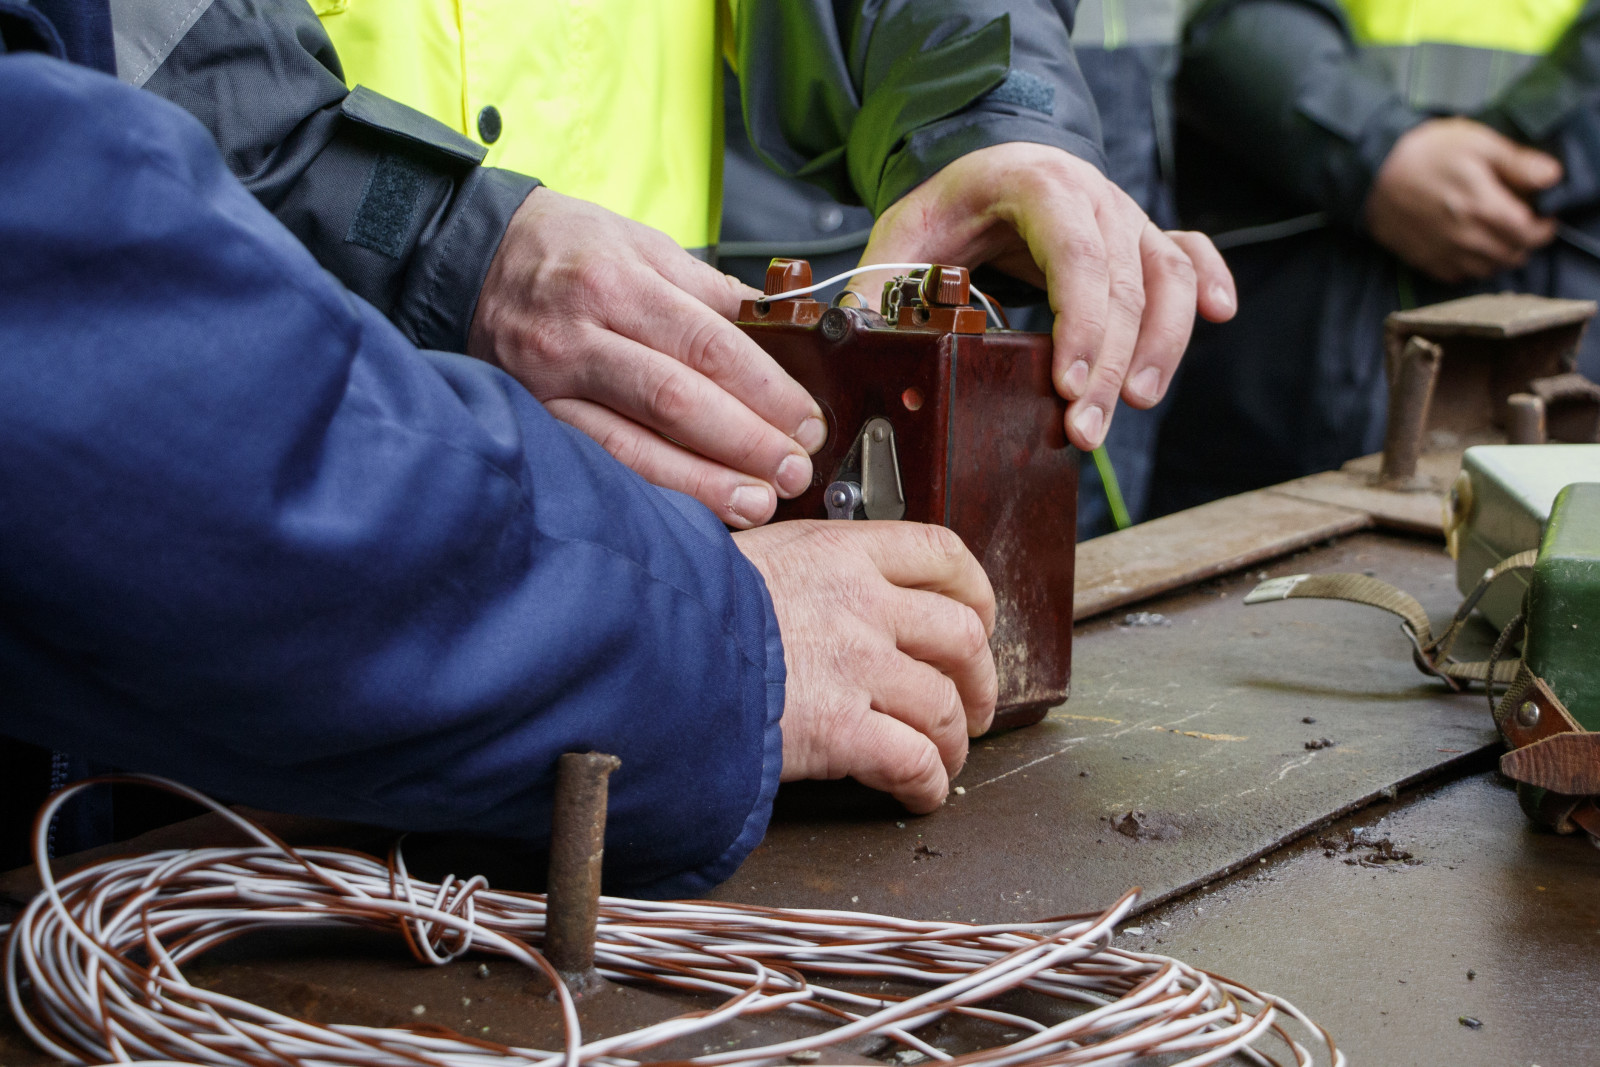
column 868, row 484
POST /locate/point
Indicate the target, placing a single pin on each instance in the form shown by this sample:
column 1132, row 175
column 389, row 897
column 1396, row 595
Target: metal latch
column 867, row 484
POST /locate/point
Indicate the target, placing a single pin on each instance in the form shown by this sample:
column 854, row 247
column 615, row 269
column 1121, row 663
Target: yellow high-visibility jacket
column 1455, row 55
column 614, row 101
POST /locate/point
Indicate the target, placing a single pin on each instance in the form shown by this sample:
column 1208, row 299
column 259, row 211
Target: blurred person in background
column 1353, row 158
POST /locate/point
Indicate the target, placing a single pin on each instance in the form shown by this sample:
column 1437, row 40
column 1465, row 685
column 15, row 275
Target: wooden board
column 1176, row 550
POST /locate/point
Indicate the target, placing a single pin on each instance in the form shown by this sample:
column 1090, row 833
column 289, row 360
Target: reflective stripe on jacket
column 1457, row 55
column 614, row 101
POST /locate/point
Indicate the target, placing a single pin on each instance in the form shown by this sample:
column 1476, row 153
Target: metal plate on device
column 1193, row 726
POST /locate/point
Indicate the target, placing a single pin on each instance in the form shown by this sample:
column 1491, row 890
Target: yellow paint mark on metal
column 1201, row 736
column 1084, row 718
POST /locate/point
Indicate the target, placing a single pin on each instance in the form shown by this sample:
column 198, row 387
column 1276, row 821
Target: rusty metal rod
column 577, row 845
column 1410, row 395
column 1525, row 423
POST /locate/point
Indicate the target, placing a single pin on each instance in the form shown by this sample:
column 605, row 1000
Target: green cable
column 1405, row 287
column 1108, row 482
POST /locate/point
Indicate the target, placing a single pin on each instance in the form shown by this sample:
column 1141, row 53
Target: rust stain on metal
column 577, row 846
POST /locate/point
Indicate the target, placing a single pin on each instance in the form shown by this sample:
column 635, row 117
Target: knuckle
column 970, row 640
column 952, row 723
column 918, row 769
column 671, row 399
column 1173, row 263
column 942, row 544
column 1128, row 293
column 623, row 446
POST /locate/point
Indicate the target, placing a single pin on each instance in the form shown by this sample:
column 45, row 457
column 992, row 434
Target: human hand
column 885, row 630
column 1124, row 293
column 626, row 336
column 1450, row 200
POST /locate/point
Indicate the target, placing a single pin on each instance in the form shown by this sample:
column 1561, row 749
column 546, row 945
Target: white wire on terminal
column 868, row 268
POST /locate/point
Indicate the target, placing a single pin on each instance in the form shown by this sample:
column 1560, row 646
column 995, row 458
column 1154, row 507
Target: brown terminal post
column 946, row 287
column 1525, row 419
column 577, row 845
column 786, row 275
column 1410, row 394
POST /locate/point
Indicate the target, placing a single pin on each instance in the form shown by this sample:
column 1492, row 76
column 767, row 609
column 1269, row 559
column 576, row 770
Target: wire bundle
column 93, row 969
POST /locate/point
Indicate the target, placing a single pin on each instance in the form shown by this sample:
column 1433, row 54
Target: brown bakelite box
column 932, row 417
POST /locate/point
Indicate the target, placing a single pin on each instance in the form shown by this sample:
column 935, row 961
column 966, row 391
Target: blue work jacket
column 252, row 538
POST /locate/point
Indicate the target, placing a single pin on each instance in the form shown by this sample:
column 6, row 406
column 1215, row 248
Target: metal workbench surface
column 1197, row 743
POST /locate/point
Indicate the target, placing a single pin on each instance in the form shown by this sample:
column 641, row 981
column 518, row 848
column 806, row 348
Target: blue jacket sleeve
column 251, row 538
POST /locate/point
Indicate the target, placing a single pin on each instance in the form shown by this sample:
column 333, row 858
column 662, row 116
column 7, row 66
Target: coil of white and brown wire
column 94, row 971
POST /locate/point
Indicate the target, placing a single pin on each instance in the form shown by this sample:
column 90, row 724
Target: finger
column 1170, row 301
column 915, row 555
column 720, row 292
column 1124, row 226
column 736, row 499
column 1511, row 225
column 1214, row 287
column 1527, row 170
column 925, row 700
column 950, row 638
column 888, row 755
column 670, row 320
column 1064, row 237
column 675, row 400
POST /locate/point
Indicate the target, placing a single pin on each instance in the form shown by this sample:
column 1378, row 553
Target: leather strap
column 1548, row 749
column 1431, row 653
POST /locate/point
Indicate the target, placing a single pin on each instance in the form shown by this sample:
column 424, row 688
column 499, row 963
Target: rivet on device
column 1528, row 715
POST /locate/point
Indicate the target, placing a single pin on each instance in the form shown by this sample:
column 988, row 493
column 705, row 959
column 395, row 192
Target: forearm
column 393, row 203
column 1278, row 85
column 256, row 541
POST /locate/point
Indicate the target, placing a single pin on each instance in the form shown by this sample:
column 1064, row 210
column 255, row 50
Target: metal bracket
column 868, row 484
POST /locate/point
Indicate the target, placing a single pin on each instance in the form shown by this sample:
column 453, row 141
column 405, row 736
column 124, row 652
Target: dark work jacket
column 251, row 537
column 1283, row 125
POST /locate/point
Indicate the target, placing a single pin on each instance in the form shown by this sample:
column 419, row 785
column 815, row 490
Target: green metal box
column 1499, row 506
column 1563, row 643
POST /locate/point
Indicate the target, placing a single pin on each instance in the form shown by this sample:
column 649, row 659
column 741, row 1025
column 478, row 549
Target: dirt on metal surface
column 1197, row 728
column 1489, row 922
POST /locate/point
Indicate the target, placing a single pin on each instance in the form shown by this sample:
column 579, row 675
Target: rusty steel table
column 1203, row 755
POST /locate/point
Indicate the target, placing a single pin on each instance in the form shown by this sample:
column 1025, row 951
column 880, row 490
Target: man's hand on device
column 885, row 630
column 1124, row 292
column 626, row 336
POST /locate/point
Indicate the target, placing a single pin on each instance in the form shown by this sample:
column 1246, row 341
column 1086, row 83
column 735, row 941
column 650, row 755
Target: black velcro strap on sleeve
column 383, row 219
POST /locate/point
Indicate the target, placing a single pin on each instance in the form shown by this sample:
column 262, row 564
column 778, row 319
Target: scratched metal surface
column 1486, row 919
column 1196, row 724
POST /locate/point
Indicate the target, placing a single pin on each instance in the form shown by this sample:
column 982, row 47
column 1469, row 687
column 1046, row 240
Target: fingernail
column 752, row 503
column 794, row 474
column 1077, row 377
column 1223, row 299
column 1089, row 423
column 1146, row 384
column 813, row 433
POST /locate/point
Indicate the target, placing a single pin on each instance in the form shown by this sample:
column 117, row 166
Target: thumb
column 1526, row 170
